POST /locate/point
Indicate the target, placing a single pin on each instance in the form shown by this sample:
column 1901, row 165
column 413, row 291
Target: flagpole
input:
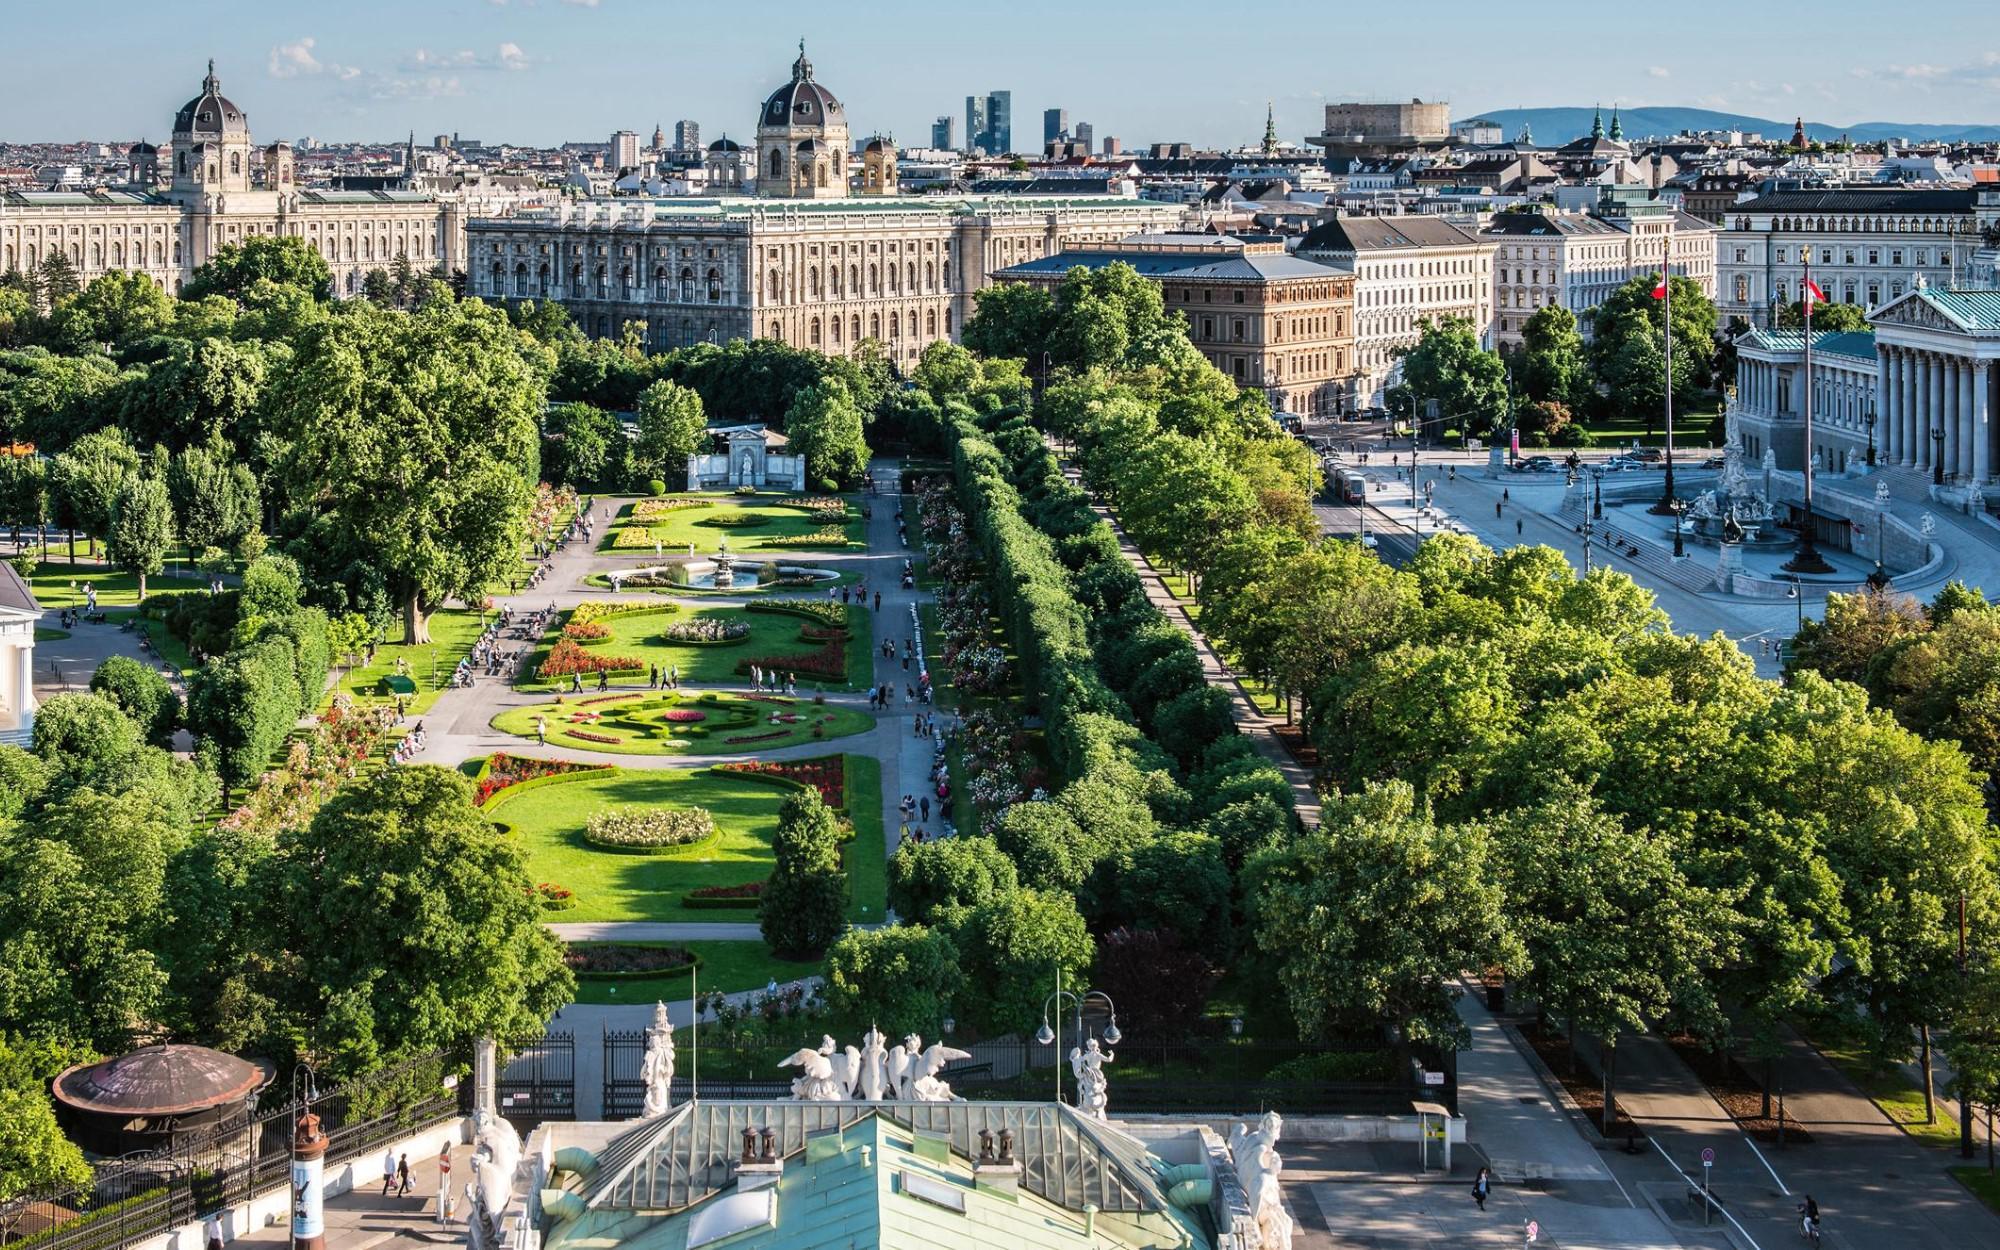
column 1807, row 558
column 1666, row 504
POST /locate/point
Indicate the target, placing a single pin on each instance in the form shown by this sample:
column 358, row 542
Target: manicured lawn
column 453, row 631
column 725, row 966
column 765, row 517
column 1985, row 1185
column 867, row 852
column 60, row 585
column 1900, row 1100
column 1649, row 430
column 601, row 581
column 44, row 634
column 637, row 725
column 547, row 823
column 772, row 635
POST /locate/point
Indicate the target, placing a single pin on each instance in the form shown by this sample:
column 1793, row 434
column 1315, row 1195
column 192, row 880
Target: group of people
column 580, row 526
column 396, row 1177
column 856, row 594
column 663, row 677
column 771, row 680
column 410, row 744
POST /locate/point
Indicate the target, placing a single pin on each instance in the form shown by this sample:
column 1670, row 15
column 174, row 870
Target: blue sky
column 547, row 70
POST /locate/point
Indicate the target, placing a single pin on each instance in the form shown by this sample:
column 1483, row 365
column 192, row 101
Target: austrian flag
column 1812, row 294
column 1660, row 291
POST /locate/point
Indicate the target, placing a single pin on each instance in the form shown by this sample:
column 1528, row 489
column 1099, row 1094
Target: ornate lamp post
column 1052, row 1036
column 1680, row 507
column 1597, row 494
column 1937, row 455
column 1870, row 419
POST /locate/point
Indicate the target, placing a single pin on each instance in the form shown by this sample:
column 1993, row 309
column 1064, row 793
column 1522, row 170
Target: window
column 1239, row 297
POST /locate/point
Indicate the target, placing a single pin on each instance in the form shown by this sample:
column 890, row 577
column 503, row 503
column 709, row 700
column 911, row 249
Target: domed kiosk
column 802, row 140
column 155, row 1096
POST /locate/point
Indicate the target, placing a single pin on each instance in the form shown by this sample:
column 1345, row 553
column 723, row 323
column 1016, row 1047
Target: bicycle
column 1809, row 1225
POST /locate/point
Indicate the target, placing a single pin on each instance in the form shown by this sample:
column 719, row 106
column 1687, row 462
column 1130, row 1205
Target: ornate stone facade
column 218, row 195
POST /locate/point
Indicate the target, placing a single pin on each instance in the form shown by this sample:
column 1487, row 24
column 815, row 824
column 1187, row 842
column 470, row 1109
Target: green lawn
column 768, row 516
column 867, row 856
column 1649, row 430
column 1984, row 1184
column 636, row 723
column 637, row 636
column 725, row 966
column 453, row 631
column 548, row 820
column 60, row 585
column 1890, row 1090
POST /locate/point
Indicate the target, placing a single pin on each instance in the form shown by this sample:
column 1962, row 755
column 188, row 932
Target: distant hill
column 1554, row 126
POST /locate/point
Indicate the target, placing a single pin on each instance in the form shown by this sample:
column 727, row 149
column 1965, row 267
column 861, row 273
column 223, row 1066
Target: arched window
column 499, row 279
column 520, row 277
column 913, row 323
column 874, row 280
column 930, row 276
column 777, row 330
column 834, row 326
column 603, row 287
column 687, row 286
column 854, row 278
column 777, row 163
column 776, row 291
column 822, row 175
column 875, row 325
column 236, row 162
column 714, row 287
column 97, row 256
column 625, row 282
column 857, row 329
column 181, row 163
column 542, row 282
column 913, row 275
column 812, row 280
column 930, row 324
column 211, row 173
column 814, row 339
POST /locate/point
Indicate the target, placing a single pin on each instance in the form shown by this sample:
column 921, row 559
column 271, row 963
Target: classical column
column 1892, row 412
column 1982, row 426
column 1913, row 428
column 1920, row 408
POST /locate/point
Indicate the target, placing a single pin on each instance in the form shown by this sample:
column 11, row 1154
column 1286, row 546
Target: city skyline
column 511, row 70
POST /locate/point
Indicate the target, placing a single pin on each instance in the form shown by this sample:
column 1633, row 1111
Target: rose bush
column 648, row 827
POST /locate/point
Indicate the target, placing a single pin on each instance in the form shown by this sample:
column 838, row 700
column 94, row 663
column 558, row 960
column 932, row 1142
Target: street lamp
column 1047, row 1035
column 1679, row 507
column 1871, row 434
column 1597, row 494
column 1937, row 455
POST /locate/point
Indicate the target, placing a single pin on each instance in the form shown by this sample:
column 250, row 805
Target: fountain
column 1734, row 512
column 724, row 575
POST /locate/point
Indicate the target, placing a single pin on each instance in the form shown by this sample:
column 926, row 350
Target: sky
column 545, row 71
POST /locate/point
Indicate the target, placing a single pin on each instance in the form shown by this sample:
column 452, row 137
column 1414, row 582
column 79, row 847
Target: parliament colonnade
column 1939, row 374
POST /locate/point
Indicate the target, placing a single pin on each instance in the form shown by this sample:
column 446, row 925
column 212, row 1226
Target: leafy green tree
column 1013, row 949
column 201, row 393
column 902, row 979
column 825, row 426
column 1468, row 383
column 672, row 425
column 226, row 977
column 1974, row 1048
column 24, row 490
column 1614, row 936
column 142, row 529
column 947, row 371
column 1827, row 317
column 51, row 400
column 1694, row 321
column 804, row 905
column 90, row 477
column 57, row 279
column 242, row 706
column 1160, row 983
column 116, row 309
column 1010, row 319
column 238, row 267
column 379, row 288
column 1551, row 367
column 929, row 882
column 438, row 509
column 1946, row 684
column 1630, row 358
column 580, row 444
column 35, row 1157
column 440, row 941
column 1178, row 497
column 1371, row 917
column 1177, row 884
column 142, row 694
column 18, row 319
column 215, row 499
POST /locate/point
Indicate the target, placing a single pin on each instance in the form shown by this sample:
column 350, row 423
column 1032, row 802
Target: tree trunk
column 416, row 622
column 1930, row 1086
column 1610, row 1083
column 142, row 586
column 1766, row 1113
column 72, row 544
column 1569, row 1034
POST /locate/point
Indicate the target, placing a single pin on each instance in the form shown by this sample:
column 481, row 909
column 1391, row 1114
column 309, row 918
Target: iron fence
column 539, row 1081
column 624, row 1059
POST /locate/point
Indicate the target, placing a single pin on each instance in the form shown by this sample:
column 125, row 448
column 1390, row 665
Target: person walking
column 211, row 1231
column 878, row 601
column 1482, row 1188
column 541, row 740
column 388, row 1170
column 924, row 805
column 403, row 1182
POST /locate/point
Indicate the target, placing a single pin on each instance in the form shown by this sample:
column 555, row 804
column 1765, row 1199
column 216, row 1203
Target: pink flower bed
column 683, row 715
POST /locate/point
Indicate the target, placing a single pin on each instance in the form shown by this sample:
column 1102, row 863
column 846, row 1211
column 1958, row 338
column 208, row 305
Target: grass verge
column 867, row 854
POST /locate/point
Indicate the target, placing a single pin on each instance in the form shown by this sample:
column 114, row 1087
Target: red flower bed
column 825, row 773
column 567, row 657
column 605, row 698
column 825, row 662
column 587, row 736
column 683, row 715
column 586, row 629
column 753, row 889
column 503, row 770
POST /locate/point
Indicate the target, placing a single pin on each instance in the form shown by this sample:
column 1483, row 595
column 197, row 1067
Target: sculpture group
column 873, row 1072
column 1092, row 1089
column 1257, row 1167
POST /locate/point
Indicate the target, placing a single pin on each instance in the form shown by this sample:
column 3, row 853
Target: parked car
column 1713, row 462
column 1648, row 455
column 1535, row 464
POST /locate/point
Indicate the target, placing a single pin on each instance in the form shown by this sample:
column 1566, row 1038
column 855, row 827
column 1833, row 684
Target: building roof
column 211, row 113
column 1373, row 234
column 1041, row 186
column 802, row 102
column 15, row 592
column 1863, row 200
column 1858, row 344
column 160, row 1081
column 1545, row 225
column 1975, row 310
column 1183, row 266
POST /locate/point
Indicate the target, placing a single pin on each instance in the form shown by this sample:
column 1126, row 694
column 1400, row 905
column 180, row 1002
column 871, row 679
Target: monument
column 1092, row 1089
column 752, row 458
column 657, row 1070
column 1255, row 1154
column 908, row 1073
column 1733, row 503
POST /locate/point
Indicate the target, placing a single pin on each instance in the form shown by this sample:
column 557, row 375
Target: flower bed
column 288, row 796
column 741, row 739
column 823, row 612
column 568, row 657
column 825, row 773
column 706, row 631
column 555, row 897
column 608, row 698
column 825, row 536
column 586, row 631
column 826, row 509
column 503, row 770
column 732, row 519
column 587, row 736
column 626, row 959
column 683, row 715
column 648, row 828
column 647, row 509
column 632, row 538
column 591, row 611
column 829, row 662
column 719, row 897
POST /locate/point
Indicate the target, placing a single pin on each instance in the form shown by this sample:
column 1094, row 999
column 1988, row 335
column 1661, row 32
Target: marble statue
column 1257, row 1167
column 1092, row 1089
column 827, row 1076
column 657, row 1071
column 495, row 1156
column 924, row 1085
column 903, row 1062
column 874, row 1065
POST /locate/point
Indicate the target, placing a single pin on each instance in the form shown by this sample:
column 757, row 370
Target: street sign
column 1433, row 1078
column 1708, row 1156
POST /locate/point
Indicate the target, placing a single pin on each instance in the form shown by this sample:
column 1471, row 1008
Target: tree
column 672, row 425
column 115, row 309
column 1014, row 949
column 1551, row 367
column 242, row 705
column 35, row 1157
column 142, row 694
column 89, row 478
column 440, row 941
column 580, row 445
column 214, row 497
column 57, row 279
column 903, row 978
column 930, row 882
column 24, row 491
column 1694, row 322
column 1630, row 357
column 1372, row 916
column 1613, row 934
column 440, row 509
column 1974, row 1048
column 237, row 268
column 804, row 905
column 1857, row 635
column 825, row 426
column 1828, row 318
column 142, row 529
column 1010, row 319
column 1468, row 383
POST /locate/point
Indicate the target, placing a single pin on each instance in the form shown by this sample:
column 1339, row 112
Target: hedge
column 532, row 782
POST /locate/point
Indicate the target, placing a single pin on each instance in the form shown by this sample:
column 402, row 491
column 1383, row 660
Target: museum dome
column 802, row 102
column 725, row 144
column 210, row 114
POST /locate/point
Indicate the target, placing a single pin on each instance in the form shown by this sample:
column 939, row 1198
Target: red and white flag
column 1811, row 294
column 1660, row 290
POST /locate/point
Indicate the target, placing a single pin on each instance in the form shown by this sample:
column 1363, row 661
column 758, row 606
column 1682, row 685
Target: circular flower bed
column 652, row 828
column 683, row 715
column 706, row 631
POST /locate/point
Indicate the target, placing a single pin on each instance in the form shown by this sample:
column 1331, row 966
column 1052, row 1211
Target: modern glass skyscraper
column 1055, row 124
column 941, row 132
column 975, row 122
column 1000, row 121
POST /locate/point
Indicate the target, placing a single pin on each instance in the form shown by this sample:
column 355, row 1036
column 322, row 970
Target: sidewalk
column 365, row 1219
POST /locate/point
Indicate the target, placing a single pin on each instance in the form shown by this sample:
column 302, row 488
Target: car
column 1621, row 464
column 1534, row 464
column 1713, row 462
column 1648, row 455
column 1368, row 541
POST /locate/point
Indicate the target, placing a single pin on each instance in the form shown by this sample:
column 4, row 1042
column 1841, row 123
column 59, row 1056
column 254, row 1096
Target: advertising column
column 308, row 1198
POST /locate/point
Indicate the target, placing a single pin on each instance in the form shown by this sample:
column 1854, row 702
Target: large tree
column 90, row 477
column 1551, row 366
column 672, row 424
column 413, row 435
column 412, row 925
column 1467, row 382
column 804, row 906
column 238, row 267
column 825, row 426
column 142, row 529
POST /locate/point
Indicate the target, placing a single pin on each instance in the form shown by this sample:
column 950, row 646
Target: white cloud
column 508, row 56
column 422, row 87
column 582, row 4
column 1659, row 71
column 289, row 60
column 511, row 57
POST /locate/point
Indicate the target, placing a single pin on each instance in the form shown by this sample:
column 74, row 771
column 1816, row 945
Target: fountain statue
column 725, row 567
column 1733, row 512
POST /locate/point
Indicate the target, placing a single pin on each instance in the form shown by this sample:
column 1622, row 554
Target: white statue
column 874, row 1065
column 903, row 1063
column 1258, row 1167
column 1092, row 1089
column 924, row 1084
column 827, row 1076
column 658, row 1069
column 495, row 1156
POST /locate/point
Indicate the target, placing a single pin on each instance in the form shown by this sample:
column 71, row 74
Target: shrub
column 600, row 960
column 825, row 536
column 707, row 630
column 804, row 907
column 593, row 610
column 655, row 486
column 1336, row 1067
column 502, row 770
column 555, row 897
column 928, row 880
column 648, row 828
column 745, row 490
column 744, row 897
column 141, row 694
column 903, row 978
column 825, row 613
column 826, row 774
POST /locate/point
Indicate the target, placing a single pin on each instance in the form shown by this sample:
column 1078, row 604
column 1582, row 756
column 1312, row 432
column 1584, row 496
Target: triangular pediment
column 1916, row 308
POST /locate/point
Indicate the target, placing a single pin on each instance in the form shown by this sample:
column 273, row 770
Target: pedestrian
column 909, row 692
column 873, row 698
column 403, row 1182
column 844, row 593
column 652, row 676
column 604, row 679
column 878, row 601
column 1506, row 494
column 1482, row 1188
column 444, row 1183
column 388, row 1170
column 211, row 1230
column 576, row 682
column 924, row 805
column 1496, row 510
column 1517, row 527
column 541, row 740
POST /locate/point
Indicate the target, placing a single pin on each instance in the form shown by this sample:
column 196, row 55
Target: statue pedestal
column 751, row 1176
column 1728, row 566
